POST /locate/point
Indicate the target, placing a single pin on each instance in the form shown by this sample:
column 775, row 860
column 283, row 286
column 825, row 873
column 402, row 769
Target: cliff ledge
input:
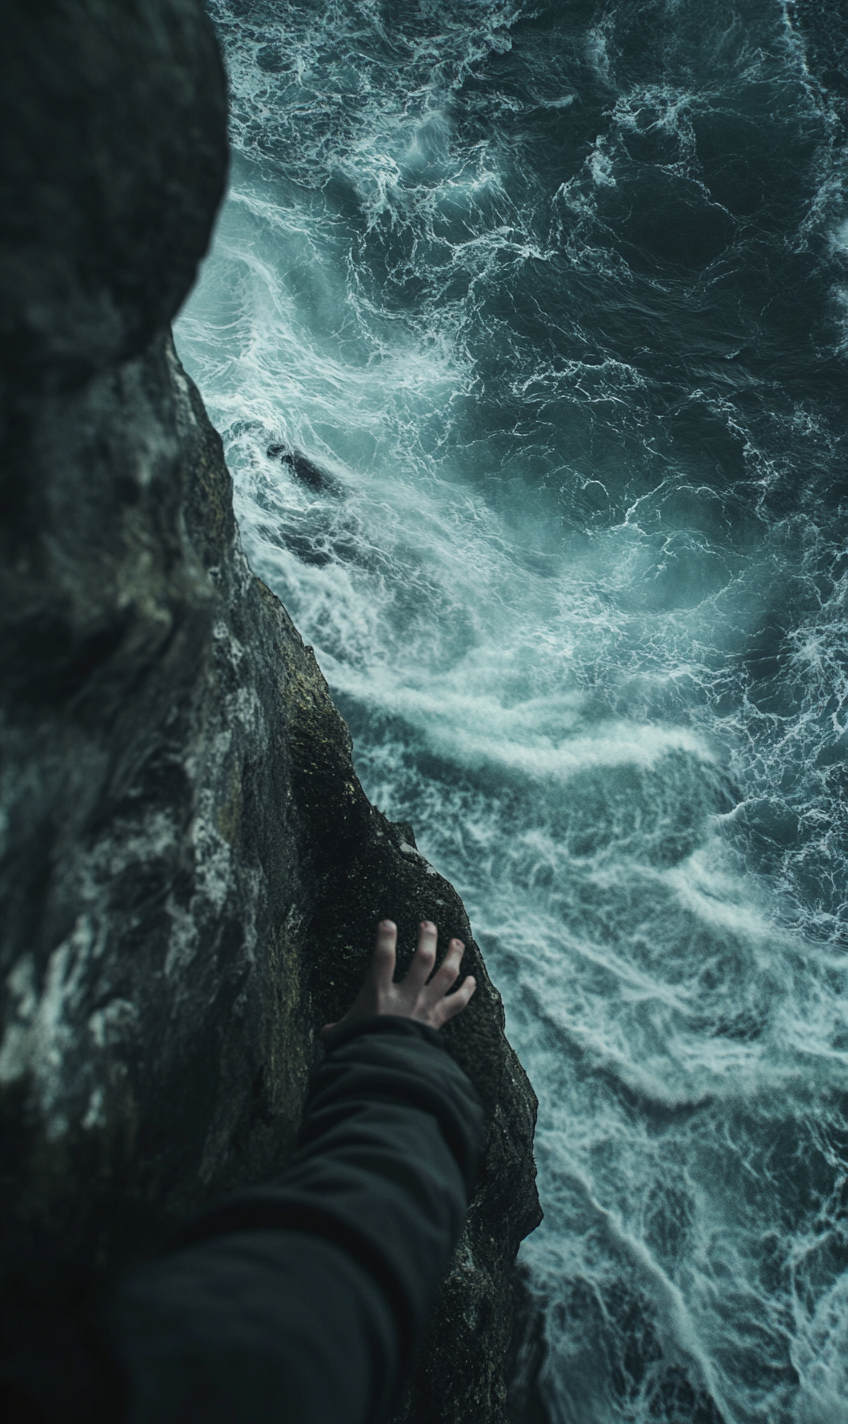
column 190, row 871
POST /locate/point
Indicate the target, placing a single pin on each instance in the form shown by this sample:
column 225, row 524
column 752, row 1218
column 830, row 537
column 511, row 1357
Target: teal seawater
column 556, row 298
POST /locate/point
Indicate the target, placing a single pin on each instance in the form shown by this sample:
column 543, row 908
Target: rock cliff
column 190, row 870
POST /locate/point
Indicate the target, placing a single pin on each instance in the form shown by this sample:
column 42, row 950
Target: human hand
column 417, row 996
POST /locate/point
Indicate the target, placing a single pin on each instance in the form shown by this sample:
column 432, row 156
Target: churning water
column 554, row 298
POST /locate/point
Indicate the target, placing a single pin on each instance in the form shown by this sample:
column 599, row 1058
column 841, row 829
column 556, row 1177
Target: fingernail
column 427, row 925
column 386, row 925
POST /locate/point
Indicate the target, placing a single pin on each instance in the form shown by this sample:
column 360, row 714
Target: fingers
column 456, row 1002
column 424, row 957
column 448, row 971
column 422, row 994
column 444, row 1005
column 384, row 956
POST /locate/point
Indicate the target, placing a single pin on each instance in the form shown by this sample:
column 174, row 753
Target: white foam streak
column 606, row 686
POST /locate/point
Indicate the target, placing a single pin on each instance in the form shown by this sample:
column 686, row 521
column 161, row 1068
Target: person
column 302, row 1300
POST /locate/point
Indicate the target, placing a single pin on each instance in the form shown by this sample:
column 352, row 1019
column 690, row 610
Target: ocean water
column 551, row 300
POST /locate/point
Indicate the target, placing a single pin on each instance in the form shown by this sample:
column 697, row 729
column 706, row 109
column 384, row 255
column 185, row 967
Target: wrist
column 398, row 1025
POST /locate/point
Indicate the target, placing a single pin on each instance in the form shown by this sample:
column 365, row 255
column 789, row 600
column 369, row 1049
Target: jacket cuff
column 394, row 1024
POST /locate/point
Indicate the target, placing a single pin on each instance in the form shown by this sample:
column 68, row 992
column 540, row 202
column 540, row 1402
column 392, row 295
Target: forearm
column 377, row 1191
column 255, row 1327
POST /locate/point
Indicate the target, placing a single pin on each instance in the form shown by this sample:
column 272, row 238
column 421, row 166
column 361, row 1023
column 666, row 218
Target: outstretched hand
column 418, row 996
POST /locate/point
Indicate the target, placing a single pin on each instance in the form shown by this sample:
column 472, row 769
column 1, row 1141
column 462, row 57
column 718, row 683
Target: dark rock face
column 112, row 159
column 190, row 871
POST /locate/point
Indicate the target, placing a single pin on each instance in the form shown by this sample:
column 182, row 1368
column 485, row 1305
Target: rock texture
column 190, row 870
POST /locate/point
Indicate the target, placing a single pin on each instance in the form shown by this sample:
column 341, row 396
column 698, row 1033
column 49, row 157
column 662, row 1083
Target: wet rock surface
column 190, row 870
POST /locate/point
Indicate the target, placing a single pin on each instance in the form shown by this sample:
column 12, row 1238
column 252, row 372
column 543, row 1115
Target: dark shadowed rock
column 527, row 1356
column 112, row 161
column 190, row 871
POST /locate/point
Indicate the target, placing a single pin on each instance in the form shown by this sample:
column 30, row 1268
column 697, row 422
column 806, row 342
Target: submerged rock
column 305, row 470
column 190, row 869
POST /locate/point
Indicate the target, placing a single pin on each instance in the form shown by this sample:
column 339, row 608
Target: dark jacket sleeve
column 302, row 1300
